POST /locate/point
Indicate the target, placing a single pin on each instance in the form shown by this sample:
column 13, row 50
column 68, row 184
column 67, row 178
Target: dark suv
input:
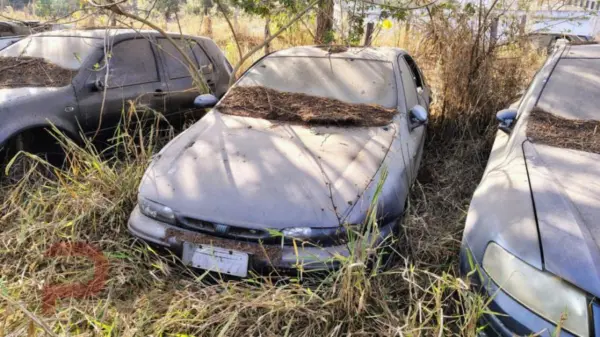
column 142, row 66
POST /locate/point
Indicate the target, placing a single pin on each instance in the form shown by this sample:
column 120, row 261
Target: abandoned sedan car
column 294, row 151
column 532, row 235
column 63, row 78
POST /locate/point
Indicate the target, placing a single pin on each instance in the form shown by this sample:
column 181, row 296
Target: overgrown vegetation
column 549, row 129
column 152, row 293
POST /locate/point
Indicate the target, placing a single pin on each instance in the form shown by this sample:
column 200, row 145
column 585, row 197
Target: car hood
column 251, row 172
column 565, row 186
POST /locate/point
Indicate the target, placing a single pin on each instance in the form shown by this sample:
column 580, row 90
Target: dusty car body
column 143, row 67
column 229, row 181
column 531, row 239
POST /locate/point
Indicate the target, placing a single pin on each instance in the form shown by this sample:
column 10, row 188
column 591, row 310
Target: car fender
column 502, row 209
column 24, row 109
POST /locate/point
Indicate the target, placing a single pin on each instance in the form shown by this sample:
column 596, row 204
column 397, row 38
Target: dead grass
column 546, row 128
column 265, row 103
column 150, row 293
column 17, row 72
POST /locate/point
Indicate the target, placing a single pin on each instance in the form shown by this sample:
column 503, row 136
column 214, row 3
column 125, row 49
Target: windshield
column 345, row 79
column 67, row 52
column 572, row 90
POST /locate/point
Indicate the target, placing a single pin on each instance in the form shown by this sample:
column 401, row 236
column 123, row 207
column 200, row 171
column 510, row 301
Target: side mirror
column 506, row 118
column 418, row 116
column 205, row 101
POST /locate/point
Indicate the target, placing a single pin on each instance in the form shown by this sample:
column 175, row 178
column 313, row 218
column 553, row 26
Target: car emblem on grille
column 221, row 229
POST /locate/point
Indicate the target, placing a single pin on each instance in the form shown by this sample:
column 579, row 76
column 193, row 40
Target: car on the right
column 531, row 243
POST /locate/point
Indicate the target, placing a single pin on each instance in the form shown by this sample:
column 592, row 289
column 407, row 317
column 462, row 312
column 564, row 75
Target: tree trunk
column 207, row 4
column 369, row 33
column 267, row 35
column 1, row 5
column 324, row 22
column 494, row 32
column 523, row 25
column 207, row 22
column 406, row 33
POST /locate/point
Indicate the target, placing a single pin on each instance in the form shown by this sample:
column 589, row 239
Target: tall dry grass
column 152, row 293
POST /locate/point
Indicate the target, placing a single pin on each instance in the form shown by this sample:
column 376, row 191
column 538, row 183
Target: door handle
column 159, row 93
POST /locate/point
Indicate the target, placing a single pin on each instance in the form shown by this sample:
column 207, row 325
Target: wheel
column 34, row 150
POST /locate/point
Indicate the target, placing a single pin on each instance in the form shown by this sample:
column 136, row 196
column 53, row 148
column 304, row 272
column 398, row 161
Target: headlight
column 156, row 211
column 332, row 235
column 541, row 292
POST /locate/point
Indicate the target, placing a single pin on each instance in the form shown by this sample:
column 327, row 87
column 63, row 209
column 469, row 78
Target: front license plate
column 217, row 259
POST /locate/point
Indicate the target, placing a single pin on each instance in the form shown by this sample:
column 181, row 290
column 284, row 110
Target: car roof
column 99, row 33
column 582, row 51
column 388, row 54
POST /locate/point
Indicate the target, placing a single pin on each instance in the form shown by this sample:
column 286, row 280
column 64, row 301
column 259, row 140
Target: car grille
column 223, row 230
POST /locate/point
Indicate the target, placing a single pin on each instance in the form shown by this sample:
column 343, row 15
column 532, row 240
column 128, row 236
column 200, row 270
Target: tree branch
column 267, row 41
column 371, row 2
column 237, row 43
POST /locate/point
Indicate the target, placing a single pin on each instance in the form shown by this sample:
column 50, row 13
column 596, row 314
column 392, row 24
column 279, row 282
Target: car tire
column 18, row 155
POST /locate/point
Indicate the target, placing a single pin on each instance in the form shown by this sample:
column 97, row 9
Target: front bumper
column 509, row 318
column 261, row 256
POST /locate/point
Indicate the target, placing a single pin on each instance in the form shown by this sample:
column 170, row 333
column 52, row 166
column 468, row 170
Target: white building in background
column 575, row 17
column 568, row 22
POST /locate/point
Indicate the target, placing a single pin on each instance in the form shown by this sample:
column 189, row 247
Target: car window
column 175, row 62
column 132, row 62
column 416, row 72
column 201, row 56
column 408, row 83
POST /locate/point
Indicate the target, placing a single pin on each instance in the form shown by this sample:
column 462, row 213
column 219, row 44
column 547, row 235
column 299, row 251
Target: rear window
column 572, row 90
column 67, row 52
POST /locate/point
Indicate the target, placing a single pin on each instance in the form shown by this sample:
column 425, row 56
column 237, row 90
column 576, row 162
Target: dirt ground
column 261, row 102
column 546, row 128
column 18, row 72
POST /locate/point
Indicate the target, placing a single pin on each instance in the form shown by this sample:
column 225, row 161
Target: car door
column 129, row 72
column 412, row 99
column 182, row 90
